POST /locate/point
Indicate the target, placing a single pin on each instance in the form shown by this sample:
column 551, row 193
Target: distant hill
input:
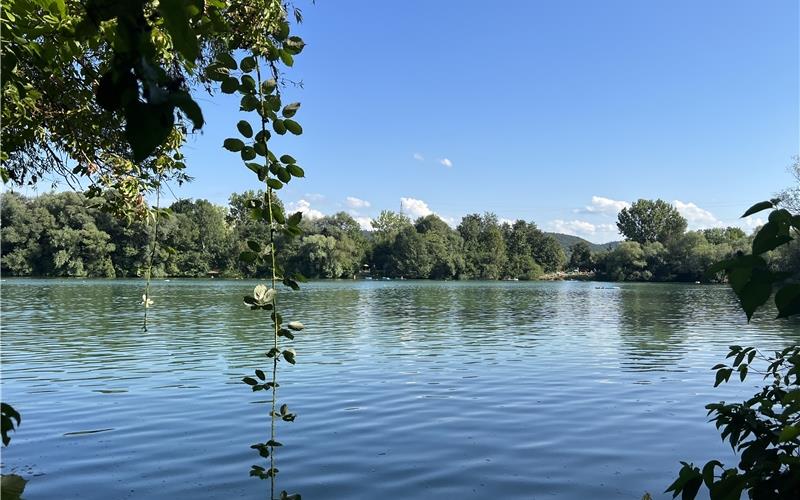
column 567, row 240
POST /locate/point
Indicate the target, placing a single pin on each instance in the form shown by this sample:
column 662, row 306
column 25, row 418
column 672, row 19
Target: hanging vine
column 148, row 273
column 263, row 96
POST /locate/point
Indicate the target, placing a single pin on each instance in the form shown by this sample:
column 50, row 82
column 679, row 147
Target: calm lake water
column 402, row 389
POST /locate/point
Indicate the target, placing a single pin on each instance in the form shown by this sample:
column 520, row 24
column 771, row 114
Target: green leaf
column 217, row 72
column 295, row 170
column 722, row 376
column 262, row 136
column 282, row 31
column 753, row 296
column 189, row 107
column 274, row 183
column 249, row 102
column 287, row 159
column 227, row 60
column 286, row 57
column 250, row 381
column 229, row 85
column 268, row 86
column 289, row 355
column 764, row 205
column 277, row 213
column 248, row 257
column 294, row 45
column 244, row 128
column 254, row 246
column 769, row 237
column 290, row 109
column 295, row 218
column 176, row 20
column 279, row 127
column 708, row 472
column 147, row 126
column 787, row 300
column 248, row 84
column 248, row 64
column 233, row 144
column 248, row 153
column 293, row 127
column 261, row 148
column 283, row 174
column 260, row 374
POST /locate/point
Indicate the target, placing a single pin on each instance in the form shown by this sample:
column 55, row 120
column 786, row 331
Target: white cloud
column 305, row 207
column 419, row 157
column 602, row 205
column 364, row 222
column 314, row 196
column 446, row 162
column 414, row 208
column 354, row 202
column 594, row 232
column 697, row 217
column 503, row 220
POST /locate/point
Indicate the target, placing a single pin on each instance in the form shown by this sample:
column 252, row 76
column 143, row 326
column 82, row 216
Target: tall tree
column 581, row 257
column 484, row 246
column 650, row 220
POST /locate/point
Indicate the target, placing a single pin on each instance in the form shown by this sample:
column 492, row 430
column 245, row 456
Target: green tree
column 484, row 246
column 790, row 197
column 581, row 257
column 626, row 262
column 647, row 221
column 444, row 247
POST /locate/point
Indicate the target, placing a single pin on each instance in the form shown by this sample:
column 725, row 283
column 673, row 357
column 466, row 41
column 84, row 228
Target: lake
column 408, row 389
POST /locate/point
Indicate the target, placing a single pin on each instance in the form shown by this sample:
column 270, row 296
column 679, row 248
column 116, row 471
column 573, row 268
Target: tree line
column 65, row 235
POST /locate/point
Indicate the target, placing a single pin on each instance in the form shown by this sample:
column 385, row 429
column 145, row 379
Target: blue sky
column 558, row 112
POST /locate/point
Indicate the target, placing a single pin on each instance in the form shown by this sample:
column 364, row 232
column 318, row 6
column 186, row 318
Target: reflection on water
column 403, row 389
